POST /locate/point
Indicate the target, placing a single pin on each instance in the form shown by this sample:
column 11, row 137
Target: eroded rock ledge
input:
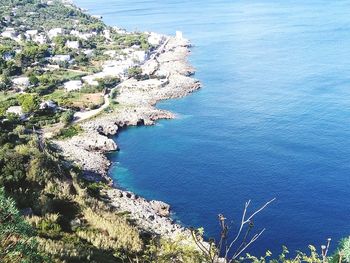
column 135, row 105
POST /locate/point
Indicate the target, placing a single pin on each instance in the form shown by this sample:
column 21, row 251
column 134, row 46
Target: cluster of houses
column 29, row 35
column 42, row 37
column 117, row 65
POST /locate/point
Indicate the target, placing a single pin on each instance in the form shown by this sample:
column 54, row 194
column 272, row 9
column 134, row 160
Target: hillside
column 68, row 82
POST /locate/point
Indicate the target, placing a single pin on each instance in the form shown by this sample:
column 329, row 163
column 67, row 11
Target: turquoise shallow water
column 272, row 119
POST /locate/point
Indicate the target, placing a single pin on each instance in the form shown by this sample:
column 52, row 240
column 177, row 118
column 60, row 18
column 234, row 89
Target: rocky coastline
column 135, row 104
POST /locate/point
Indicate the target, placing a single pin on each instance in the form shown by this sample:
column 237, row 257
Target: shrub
column 134, row 72
column 343, row 252
column 47, row 226
column 33, row 80
column 67, row 116
column 177, row 250
column 113, row 231
column 5, row 82
column 17, row 237
column 69, row 132
column 109, row 82
column 29, row 102
column 11, row 168
column 94, row 188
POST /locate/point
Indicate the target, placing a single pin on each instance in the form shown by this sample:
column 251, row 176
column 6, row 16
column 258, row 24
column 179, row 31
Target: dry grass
column 90, row 100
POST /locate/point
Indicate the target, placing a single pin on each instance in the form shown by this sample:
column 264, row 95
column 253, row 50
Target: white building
column 9, row 33
column 16, row 110
column 73, row 85
column 67, row 2
column 97, row 16
column 116, row 68
column 72, row 44
column 40, row 39
column 120, row 30
column 88, row 52
column 107, row 34
column 81, row 35
column 21, row 83
column 49, row 104
column 31, row 33
column 90, row 80
column 61, row 58
column 179, row 35
column 74, row 32
column 156, row 39
column 51, row 67
column 55, row 32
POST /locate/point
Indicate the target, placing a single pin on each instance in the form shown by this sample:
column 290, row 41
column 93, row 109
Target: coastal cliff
column 68, row 84
column 135, row 105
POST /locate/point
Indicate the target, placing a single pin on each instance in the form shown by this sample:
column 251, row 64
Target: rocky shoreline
column 135, row 105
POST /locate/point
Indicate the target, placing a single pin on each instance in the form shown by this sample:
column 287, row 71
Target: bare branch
column 214, row 250
column 254, row 238
column 240, row 229
column 245, row 221
column 259, row 210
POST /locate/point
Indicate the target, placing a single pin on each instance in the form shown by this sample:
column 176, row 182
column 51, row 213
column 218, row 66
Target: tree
column 29, row 102
column 5, row 82
column 41, row 168
column 11, row 69
column 108, row 82
column 31, row 53
column 67, row 117
column 12, row 168
column 17, row 242
column 82, row 59
column 33, row 80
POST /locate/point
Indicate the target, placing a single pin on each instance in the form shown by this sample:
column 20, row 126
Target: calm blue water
column 272, row 119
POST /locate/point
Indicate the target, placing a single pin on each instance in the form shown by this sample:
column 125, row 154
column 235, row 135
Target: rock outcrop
column 150, row 216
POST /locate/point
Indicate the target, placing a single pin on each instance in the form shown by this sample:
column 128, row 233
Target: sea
column 272, row 119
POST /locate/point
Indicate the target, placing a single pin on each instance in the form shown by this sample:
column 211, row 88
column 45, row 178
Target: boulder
column 161, row 208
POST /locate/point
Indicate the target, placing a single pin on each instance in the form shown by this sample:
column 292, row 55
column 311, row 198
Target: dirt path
column 84, row 115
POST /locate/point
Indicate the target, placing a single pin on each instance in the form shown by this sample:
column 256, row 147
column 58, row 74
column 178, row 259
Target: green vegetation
column 31, row 52
column 69, row 132
column 76, row 100
column 48, row 82
column 34, row 14
column 135, row 72
column 139, row 39
column 6, row 95
column 70, row 223
column 67, row 219
column 17, row 237
column 5, row 82
column 29, row 102
column 6, row 103
column 67, row 117
column 108, row 82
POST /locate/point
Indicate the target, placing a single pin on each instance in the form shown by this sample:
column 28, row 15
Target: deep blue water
column 272, row 119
